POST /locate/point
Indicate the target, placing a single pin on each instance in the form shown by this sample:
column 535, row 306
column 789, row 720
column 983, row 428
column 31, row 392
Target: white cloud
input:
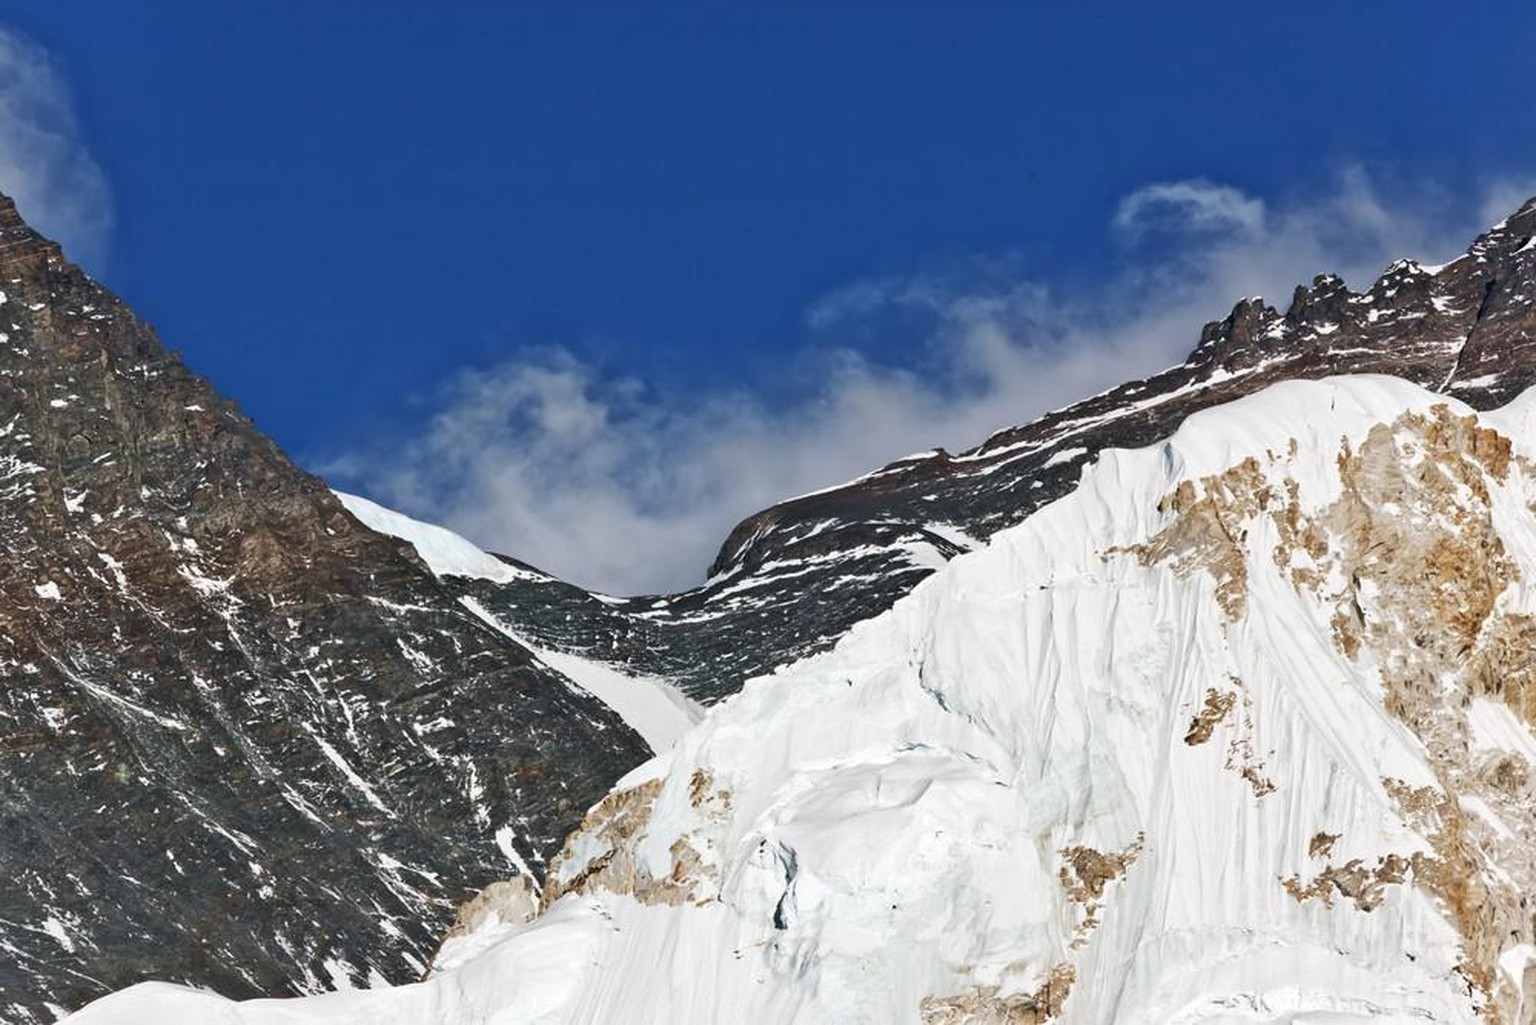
column 606, row 484
column 1503, row 196
column 44, row 166
column 1190, row 205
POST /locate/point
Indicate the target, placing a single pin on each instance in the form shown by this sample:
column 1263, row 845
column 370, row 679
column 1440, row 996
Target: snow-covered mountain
column 1243, row 729
column 263, row 738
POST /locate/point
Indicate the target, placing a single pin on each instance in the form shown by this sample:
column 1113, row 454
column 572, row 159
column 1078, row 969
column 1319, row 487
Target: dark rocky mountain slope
column 244, row 741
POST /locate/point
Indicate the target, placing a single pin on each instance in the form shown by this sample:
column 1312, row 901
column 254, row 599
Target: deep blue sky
column 328, row 206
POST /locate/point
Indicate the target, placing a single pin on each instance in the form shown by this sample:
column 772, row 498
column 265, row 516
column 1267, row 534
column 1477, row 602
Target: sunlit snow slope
column 1238, row 731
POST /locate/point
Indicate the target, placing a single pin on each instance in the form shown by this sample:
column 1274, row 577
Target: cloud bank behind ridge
column 603, row 482
column 611, row 484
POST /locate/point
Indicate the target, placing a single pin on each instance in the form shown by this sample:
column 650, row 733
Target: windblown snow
column 444, row 552
column 1239, row 731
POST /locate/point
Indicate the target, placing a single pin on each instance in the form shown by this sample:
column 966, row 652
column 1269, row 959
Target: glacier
column 1240, row 730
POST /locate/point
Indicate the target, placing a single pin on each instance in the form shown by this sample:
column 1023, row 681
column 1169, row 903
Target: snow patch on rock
column 444, row 552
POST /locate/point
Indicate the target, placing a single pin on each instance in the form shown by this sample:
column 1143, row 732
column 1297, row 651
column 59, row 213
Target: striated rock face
column 796, row 577
column 244, row 741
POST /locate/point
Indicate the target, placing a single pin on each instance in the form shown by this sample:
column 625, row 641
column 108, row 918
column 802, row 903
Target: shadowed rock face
column 244, row 741
column 792, row 579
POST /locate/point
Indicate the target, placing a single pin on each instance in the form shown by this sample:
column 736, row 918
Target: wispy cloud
column 1193, row 205
column 44, row 166
column 608, row 484
column 1503, row 196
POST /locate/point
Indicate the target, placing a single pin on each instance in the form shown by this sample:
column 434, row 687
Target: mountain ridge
column 177, row 677
column 799, row 574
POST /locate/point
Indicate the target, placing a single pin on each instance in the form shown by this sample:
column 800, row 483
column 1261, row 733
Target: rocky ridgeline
column 794, row 578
